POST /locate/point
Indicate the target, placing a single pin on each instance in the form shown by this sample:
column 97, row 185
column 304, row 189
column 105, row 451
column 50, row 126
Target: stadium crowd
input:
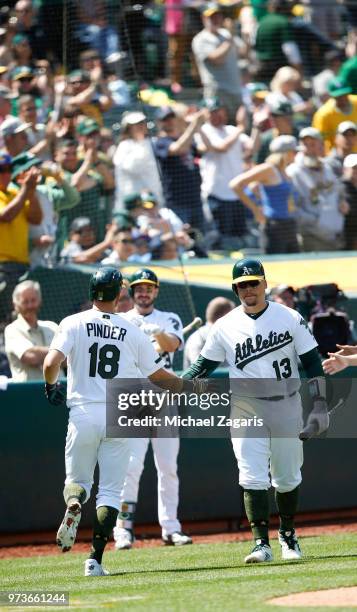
column 245, row 138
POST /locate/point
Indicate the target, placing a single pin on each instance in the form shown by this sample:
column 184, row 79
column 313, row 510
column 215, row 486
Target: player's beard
column 144, row 302
column 251, row 300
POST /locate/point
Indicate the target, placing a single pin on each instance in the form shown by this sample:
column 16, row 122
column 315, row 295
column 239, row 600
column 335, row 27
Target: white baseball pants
column 165, row 456
column 86, row 445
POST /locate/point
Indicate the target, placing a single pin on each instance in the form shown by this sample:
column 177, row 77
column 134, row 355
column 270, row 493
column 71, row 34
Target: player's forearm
column 202, row 368
column 52, row 365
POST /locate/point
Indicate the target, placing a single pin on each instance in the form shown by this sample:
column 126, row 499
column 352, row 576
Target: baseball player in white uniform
column 263, row 340
column 99, row 345
column 165, row 331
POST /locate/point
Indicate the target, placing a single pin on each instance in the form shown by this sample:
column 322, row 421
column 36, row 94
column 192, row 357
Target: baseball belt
column 277, row 398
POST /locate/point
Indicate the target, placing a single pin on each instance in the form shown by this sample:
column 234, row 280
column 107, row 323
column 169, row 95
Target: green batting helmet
column 144, row 275
column 245, row 270
column 105, row 284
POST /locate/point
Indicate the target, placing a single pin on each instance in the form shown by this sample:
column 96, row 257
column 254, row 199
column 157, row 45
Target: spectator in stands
column 321, row 205
column 348, row 73
column 88, row 92
column 88, row 133
column 326, row 17
column 36, row 132
column 123, row 246
column 84, row 177
column 222, row 148
column 94, row 29
column 345, row 144
column 26, row 24
column 5, row 109
column 155, row 220
column 275, row 45
column 179, row 170
column 341, row 106
column 82, row 248
column 14, row 134
column 283, row 294
column 278, row 211
column 18, row 208
column 167, row 248
column 333, row 61
column 27, row 339
column 216, row 308
column 21, row 50
column 54, row 195
column 281, row 117
column 23, row 82
column 350, row 184
column 216, row 52
column 285, row 86
column 134, row 160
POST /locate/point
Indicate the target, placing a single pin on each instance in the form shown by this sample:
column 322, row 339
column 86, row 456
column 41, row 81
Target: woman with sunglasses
column 277, row 214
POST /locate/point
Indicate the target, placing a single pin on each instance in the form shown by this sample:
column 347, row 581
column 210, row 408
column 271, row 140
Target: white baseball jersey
column 101, row 346
column 169, row 323
column 266, row 348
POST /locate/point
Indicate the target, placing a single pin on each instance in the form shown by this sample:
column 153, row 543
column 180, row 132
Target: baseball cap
column 210, row 9
column 345, row 126
column 3, row 69
column 78, row 75
column 280, row 108
column 280, row 289
column 21, row 72
column 12, row 125
column 124, row 220
column 310, row 132
column 212, row 104
column 23, row 162
column 79, row 223
column 132, row 201
column 149, row 200
column 283, row 143
column 87, row 126
column 164, row 112
column 337, row 88
column 132, row 118
column 258, row 90
column 247, row 269
column 350, row 161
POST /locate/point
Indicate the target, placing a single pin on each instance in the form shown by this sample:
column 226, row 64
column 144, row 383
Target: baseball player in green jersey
column 264, row 340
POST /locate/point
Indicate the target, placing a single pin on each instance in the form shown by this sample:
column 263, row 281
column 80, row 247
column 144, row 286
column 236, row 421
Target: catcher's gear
column 55, row 393
column 318, row 420
column 144, row 275
column 245, row 270
column 105, row 284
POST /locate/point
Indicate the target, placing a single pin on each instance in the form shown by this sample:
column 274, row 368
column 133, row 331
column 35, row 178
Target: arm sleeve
column 174, row 327
column 64, row 339
column 15, row 343
column 311, row 363
column 303, row 337
column 148, row 359
column 202, row 368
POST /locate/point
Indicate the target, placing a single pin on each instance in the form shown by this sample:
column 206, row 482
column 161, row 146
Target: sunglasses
column 5, row 169
column 25, row 79
column 246, row 284
column 126, row 241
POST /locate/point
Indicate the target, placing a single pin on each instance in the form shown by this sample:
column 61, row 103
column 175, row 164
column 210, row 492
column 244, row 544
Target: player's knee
column 251, row 482
column 285, row 485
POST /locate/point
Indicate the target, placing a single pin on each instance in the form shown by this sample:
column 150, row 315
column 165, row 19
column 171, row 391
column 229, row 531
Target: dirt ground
column 343, row 597
column 148, row 536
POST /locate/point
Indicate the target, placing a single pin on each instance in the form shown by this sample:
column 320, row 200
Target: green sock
column 256, row 505
column 104, row 523
column 73, row 492
column 287, row 504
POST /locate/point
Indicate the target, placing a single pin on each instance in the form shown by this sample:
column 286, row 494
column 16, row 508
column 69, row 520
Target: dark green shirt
column 348, row 73
column 273, row 32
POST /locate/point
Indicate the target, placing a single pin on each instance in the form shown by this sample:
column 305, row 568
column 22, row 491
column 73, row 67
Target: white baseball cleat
column 124, row 538
column 176, row 539
column 290, row 549
column 66, row 534
column 261, row 553
column 93, row 568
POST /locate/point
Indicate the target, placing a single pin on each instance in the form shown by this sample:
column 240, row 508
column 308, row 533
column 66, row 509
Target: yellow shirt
column 14, row 234
column 328, row 118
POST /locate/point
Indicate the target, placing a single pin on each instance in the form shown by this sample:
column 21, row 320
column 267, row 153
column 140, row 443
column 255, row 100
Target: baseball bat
column 195, row 324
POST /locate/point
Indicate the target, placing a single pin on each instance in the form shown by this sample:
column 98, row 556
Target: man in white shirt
column 27, row 339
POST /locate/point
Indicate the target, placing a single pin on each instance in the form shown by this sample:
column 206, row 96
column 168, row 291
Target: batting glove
column 150, row 329
column 55, row 393
column 138, row 321
column 317, row 422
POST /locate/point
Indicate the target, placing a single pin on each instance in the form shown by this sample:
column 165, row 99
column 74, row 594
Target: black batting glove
column 55, row 393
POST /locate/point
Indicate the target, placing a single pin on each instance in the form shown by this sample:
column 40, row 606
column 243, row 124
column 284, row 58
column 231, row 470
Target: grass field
column 193, row 578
